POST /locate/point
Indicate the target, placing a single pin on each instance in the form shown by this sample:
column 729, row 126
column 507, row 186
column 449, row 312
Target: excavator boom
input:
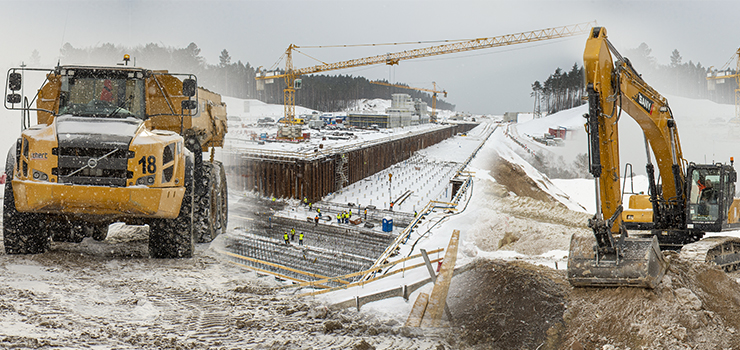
column 611, row 257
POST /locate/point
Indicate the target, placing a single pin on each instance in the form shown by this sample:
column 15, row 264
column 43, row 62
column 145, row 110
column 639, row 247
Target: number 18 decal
column 148, row 164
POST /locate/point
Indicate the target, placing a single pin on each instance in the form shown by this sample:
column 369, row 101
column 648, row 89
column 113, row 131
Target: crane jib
column 644, row 102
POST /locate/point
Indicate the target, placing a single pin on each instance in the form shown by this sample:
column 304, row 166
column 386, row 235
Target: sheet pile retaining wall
column 284, row 176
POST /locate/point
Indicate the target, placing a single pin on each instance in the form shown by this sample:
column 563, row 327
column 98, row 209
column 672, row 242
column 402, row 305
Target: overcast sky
column 489, row 81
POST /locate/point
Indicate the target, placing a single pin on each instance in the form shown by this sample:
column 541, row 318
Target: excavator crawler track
column 722, row 251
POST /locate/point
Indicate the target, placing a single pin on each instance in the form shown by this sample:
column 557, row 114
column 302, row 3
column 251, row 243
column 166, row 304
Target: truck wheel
column 173, row 238
column 100, row 232
column 22, row 233
column 203, row 215
column 62, row 230
column 222, row 201
column 59, row 230
column 77, row 234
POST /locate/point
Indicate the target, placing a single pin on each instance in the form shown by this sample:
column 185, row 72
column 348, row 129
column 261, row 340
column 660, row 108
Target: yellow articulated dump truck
column 114, row 144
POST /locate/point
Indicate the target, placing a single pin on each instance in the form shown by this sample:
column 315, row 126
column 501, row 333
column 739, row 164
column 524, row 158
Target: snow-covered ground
column 576, row 194
column 139, row 302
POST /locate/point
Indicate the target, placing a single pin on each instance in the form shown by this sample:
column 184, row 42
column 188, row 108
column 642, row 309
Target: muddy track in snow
column 110, row 295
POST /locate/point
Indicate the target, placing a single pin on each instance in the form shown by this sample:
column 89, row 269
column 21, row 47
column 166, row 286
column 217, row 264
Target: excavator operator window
column 110, row 94
column 705, row 195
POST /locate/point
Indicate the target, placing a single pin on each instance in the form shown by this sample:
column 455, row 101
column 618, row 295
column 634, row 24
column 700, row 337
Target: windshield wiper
column 120, row 107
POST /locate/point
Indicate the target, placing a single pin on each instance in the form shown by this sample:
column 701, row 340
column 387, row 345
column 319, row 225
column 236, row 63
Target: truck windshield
column 704, row 198
column 102, row 94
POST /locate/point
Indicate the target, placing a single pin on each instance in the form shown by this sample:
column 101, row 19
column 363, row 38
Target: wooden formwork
column 282, row 176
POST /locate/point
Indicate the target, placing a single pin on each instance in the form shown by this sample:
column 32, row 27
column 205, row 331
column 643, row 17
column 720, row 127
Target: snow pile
column 707, row 135
column 250, row 110
column 370, row 106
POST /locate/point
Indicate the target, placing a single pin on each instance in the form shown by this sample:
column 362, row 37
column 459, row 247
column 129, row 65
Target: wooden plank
column 417, row 311
column 438, row 298
column 353, row 274
column 365, row 282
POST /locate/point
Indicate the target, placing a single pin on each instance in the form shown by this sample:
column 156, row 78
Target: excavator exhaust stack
column 638, row 263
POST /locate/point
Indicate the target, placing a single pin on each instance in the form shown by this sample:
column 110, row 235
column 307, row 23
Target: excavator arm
column 616, row 259
column 614, row 87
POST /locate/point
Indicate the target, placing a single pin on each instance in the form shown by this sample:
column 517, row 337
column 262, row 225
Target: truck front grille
column 92, row 166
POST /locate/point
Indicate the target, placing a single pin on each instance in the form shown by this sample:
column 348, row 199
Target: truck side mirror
column 189, row 104
column 14, row 81
column 188, row 87
column 14, row 98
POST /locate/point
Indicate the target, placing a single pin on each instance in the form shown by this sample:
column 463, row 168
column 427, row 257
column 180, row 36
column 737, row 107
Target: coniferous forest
column 563, row 90
column 236, row 78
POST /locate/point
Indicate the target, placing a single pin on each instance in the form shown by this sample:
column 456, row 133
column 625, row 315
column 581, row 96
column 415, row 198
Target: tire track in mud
column 71, row 297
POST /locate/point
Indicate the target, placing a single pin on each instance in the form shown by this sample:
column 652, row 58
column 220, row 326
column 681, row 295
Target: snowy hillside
column 706, row 135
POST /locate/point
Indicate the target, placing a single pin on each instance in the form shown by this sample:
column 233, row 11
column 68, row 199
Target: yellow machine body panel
column 37, row 189
column 640, row 210
column 155, row 152
column 209, row 125
column 733, row 215
column 163, row 102
column 147, row 202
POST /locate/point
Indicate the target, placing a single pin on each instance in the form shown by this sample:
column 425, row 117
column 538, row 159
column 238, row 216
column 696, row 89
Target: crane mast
column 714, row 76
column 291, row 74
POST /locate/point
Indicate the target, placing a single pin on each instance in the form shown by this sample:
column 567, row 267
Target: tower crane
column 713, row 76
column 291, row 74
column 434, row 92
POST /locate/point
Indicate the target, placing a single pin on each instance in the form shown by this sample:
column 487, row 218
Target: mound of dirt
column 506, row 305
column 696, row 306
column 517, row 305
column 515, row 179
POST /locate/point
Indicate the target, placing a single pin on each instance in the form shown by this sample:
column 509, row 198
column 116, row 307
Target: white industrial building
column 404, row 111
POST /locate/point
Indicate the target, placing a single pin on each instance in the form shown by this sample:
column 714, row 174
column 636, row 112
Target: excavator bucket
column 641, row 264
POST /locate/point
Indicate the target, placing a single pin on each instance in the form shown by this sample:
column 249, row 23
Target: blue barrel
column 387, row 224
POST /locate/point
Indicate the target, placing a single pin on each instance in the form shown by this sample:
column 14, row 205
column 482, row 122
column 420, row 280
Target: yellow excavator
column 690, row 200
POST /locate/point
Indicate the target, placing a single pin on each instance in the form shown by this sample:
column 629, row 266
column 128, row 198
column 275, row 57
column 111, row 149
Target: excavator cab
column 710, row 193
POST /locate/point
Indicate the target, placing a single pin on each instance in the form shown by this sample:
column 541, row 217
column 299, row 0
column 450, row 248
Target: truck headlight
column 145, row 180
column 40, row 175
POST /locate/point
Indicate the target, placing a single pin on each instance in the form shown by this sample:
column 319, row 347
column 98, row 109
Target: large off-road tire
column 61, row 230
column 221, row 206
column 100, row 231
column 211, row 204
column 203, row 224
column 22, row 232
column 173, row 238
